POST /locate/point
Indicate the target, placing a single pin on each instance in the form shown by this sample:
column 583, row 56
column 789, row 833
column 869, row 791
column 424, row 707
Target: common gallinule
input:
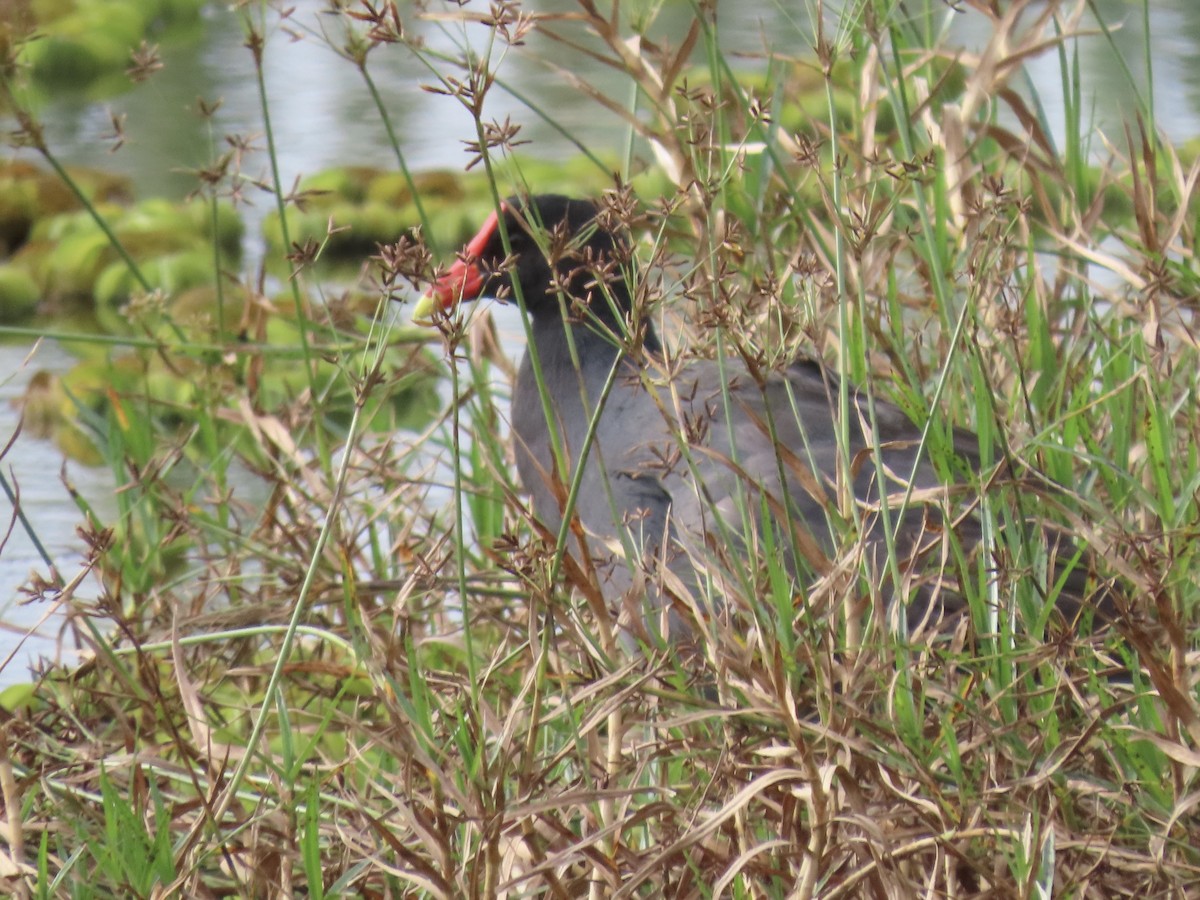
column 696, row 468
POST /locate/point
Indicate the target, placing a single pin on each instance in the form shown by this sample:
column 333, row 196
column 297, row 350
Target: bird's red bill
column 465, row 279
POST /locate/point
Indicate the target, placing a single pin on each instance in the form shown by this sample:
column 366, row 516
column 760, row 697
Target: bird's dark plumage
column 703, row 466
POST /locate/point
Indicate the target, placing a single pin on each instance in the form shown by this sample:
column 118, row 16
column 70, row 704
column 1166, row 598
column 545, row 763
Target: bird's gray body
column 687, row 470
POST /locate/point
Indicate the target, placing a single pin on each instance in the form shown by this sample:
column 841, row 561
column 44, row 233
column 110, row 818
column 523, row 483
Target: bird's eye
column 519, row 240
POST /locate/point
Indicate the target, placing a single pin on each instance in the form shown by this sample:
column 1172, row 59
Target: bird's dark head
column 558, row 244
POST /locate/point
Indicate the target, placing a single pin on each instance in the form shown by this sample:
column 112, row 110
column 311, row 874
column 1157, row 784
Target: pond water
column 40, row 476
column 322, row 115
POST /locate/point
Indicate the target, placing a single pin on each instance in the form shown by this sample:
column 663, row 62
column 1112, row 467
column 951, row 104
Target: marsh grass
column 364, row 670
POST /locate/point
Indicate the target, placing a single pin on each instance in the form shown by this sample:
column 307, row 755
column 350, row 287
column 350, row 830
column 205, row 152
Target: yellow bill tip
column 424, row 310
